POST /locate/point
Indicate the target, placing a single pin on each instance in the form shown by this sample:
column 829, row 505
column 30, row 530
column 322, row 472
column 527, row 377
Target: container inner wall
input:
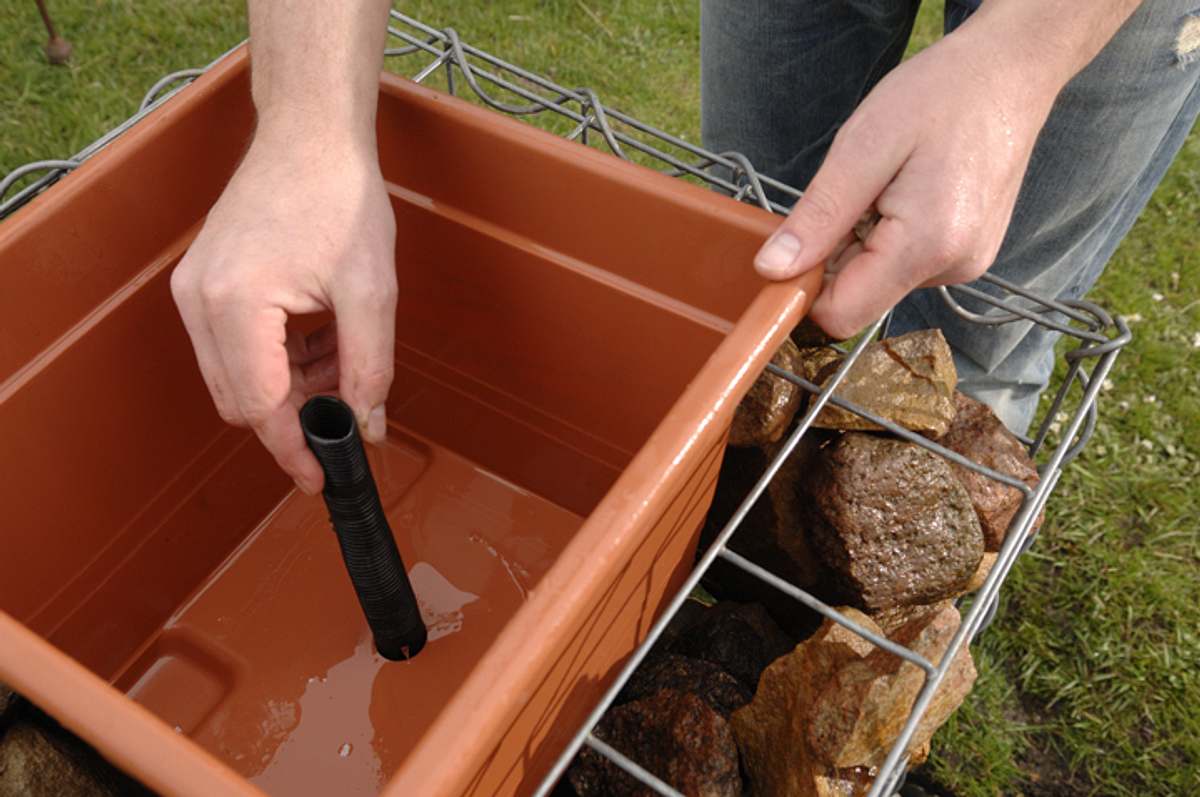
column 545, row 328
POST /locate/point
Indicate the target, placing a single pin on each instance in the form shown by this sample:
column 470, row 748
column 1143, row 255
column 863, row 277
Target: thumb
column 857, row 169
column 366, row 330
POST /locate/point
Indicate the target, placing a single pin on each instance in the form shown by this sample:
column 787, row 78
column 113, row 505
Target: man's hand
column 304, row 226
column 299, row 229
column 939, row 149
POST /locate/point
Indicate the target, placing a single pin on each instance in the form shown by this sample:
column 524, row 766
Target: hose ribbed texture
column 368, row 548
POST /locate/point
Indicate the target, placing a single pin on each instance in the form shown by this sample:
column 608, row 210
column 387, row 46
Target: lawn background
column 1090, row 679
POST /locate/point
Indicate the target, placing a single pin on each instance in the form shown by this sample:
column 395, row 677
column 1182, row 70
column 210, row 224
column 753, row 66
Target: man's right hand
column 302, row 227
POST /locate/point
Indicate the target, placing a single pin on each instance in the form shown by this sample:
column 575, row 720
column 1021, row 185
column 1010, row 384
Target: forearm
column 1047, row 41
column 315, row 68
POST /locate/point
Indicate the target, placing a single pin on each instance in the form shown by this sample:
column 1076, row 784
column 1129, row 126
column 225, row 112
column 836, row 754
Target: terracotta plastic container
column 573, row 335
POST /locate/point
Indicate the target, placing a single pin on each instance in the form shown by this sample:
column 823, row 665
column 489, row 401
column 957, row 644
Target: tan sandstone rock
column 909, row 379
column 837, row 704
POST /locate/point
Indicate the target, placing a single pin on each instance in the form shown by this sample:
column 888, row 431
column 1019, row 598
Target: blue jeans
column 779, row 77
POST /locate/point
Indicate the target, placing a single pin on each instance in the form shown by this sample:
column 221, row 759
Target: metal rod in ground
column 366, row 540
column 58, row 49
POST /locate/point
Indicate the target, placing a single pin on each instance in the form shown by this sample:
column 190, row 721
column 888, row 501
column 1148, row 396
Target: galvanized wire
column 1100, row 339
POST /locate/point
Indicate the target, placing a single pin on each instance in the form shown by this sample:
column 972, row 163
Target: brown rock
column 676, row 736
column 891, row 620
column 34, row 762
column 707, row 681
column 855, row 723
column 908, row 379
column 981, row 573
column 740, row 638
column 817, row 363
column 807, row 333
column 837, row 704
column 769, row 407
column 892, row 522
column 776, row 719
column 983, row 438
column 773, row 535
column 854, row 782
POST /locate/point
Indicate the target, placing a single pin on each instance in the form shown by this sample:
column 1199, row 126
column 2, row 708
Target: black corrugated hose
column 368, row 548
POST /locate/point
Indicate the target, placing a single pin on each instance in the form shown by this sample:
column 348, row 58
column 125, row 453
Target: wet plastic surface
column 572, row 337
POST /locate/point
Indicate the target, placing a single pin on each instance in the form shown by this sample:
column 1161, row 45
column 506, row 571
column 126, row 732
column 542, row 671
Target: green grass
column 1090, row 679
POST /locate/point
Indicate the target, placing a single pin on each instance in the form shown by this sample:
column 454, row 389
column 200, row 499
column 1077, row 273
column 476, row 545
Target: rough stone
column 908, row 379
column 36, row 761
column 807, row 333
column 892, row 522
column 817, row 363
column 777, row 717
column 691, row 612
column 981, row 573
column 740, row 638
column 707, row 681
column 837, row 704
column 854, row 782
column 770, row 405
column 773, row 535
column 855, row 722
column 676, row 736
column 983, row 438
column 895, row 618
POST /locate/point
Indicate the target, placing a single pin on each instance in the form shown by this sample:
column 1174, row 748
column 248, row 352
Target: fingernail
column 305, row 487
column 377, row 425
column 779, row 253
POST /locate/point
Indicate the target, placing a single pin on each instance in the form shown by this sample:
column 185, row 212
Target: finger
column 212, row 367
column 280, row 434
column 251, row 340
column 303, row 349
column 845, row 242
column 838, row 263
column 861, row 162
column 319, row 376
column 366, row 331
column 868, row 283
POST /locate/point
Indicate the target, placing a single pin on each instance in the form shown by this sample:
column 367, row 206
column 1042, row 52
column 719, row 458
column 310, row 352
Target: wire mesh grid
column 1094, row 338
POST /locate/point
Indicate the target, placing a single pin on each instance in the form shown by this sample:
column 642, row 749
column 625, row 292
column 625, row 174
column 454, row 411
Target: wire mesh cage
column 1091, row 339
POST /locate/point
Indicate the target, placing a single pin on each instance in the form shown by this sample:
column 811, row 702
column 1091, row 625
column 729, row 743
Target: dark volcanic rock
column 807, row 333
column 706, row 680
column 691, row 612
column 983, row 438
column 8, row 702
column 893, row 522
column 774, row 535
column 907, row 379
column 740, row 638
column 769, row 407
column 676, row 736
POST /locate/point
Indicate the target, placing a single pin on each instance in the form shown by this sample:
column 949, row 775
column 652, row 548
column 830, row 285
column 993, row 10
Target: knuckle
column 182, row 287
column 376, row 377
column 217, row 292
column 819, row 207
column 953, row 249
column 861, row 131
column 228, row 414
